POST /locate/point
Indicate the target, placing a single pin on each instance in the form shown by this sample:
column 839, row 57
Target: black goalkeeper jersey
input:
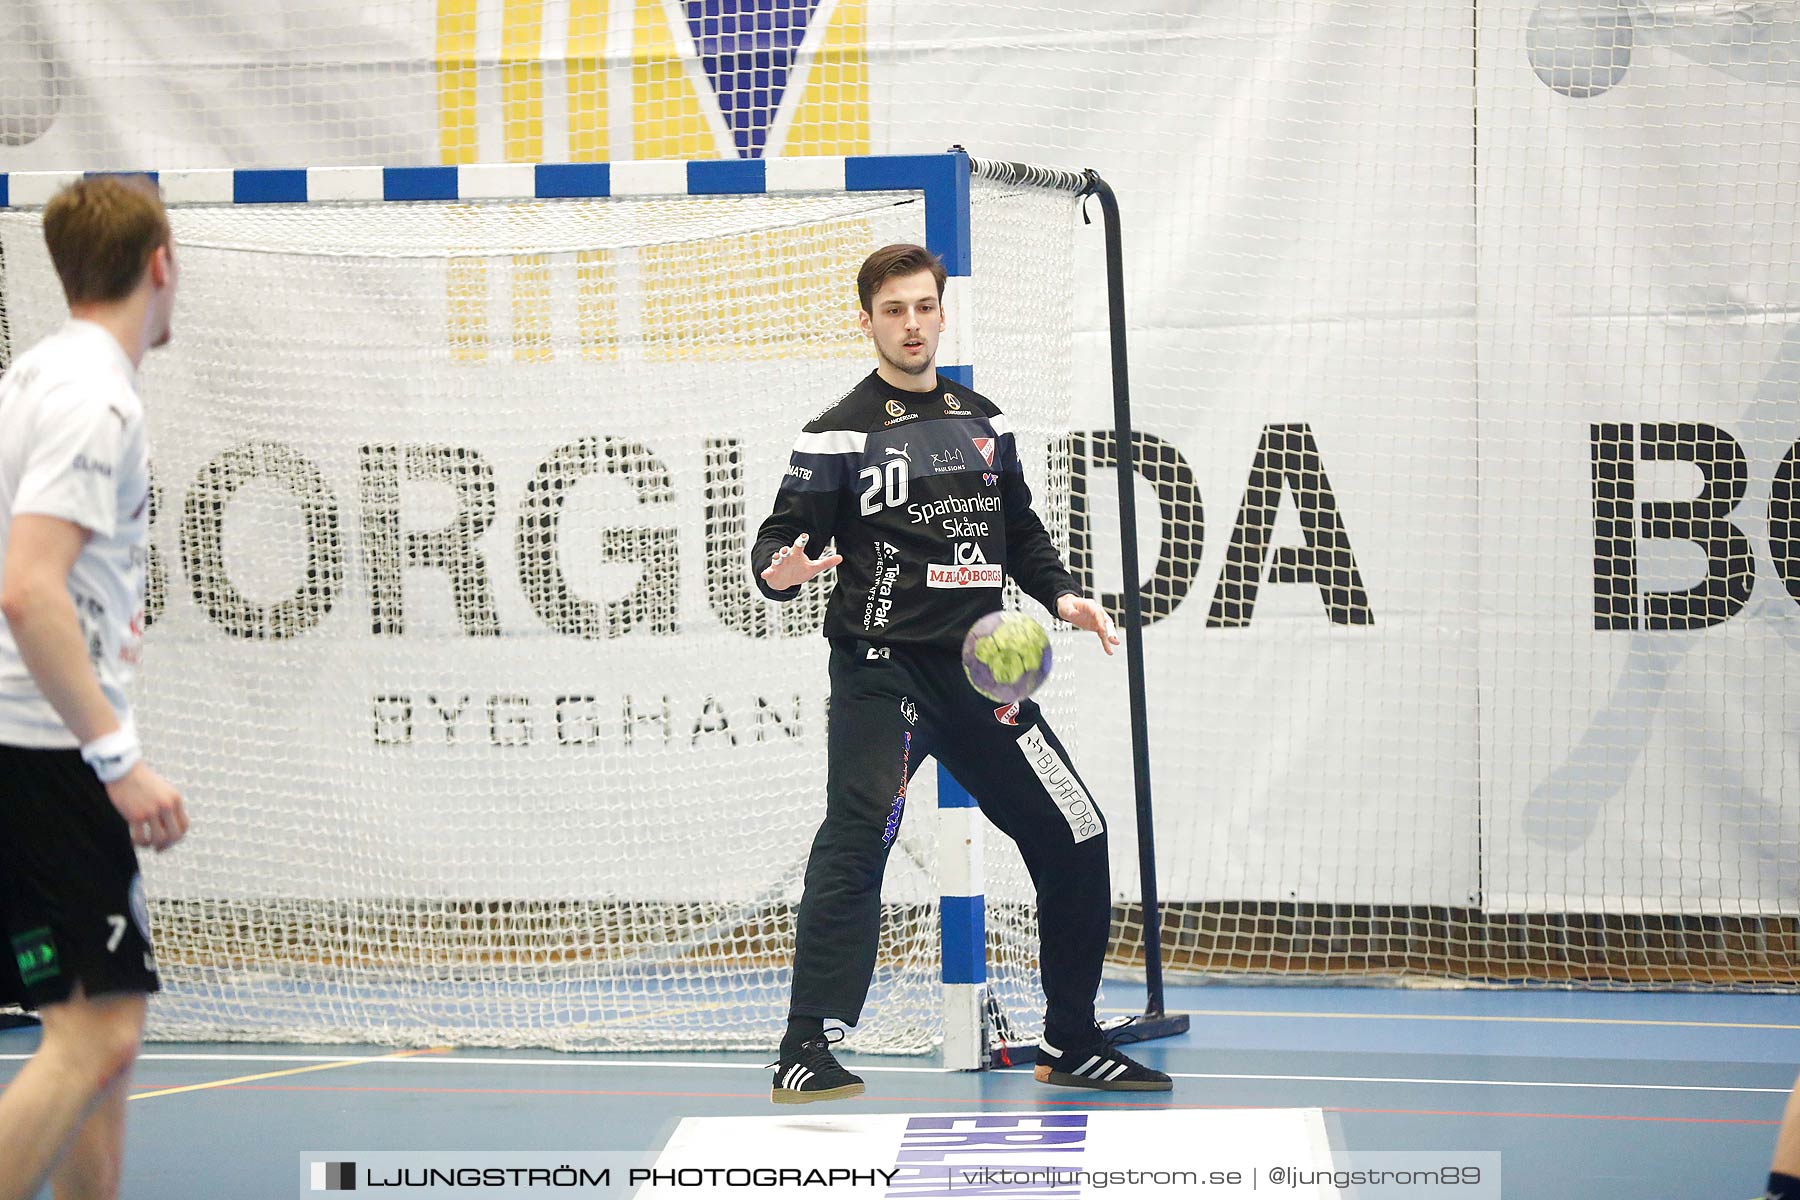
column 925, row 496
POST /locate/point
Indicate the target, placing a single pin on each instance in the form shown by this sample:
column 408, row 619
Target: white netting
column 1442, row 252
column 488, row 737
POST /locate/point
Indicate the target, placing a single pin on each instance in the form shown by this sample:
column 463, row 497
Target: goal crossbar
column 941, row 182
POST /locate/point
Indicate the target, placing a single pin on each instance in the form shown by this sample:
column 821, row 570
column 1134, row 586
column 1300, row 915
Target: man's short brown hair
column 902, row 258
column 101, row 231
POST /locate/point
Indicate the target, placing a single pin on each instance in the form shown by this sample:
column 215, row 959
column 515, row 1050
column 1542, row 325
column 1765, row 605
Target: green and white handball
column 1006, row 656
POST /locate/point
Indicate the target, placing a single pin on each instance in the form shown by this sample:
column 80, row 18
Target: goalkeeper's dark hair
column 902, row 258
column 101, row 231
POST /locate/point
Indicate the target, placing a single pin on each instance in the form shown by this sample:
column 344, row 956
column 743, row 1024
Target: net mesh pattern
column 1443, row 264
column 487, row 736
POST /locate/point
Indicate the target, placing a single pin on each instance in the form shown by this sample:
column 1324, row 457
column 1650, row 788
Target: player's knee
column 119, row 1049
column 858, row 854
column 860, row 870
column 1097, row 862
column 100, row 1037
column 1080, row 862
column 1087, row 849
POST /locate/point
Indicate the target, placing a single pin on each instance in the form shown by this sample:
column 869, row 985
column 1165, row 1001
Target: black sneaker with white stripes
column 1096, row 1064
column 811, row 1073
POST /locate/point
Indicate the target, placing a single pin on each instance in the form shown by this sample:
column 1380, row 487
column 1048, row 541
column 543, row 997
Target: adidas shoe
column 811, row 1073
column 1097, row 1065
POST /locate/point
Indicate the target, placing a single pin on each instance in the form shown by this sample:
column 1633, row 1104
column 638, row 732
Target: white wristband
column 112, row 755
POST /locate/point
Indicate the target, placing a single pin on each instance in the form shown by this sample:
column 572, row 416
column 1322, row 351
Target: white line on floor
column 1299, row 1014
column 452, row 1059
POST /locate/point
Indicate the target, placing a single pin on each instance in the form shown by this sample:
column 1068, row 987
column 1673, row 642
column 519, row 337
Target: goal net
column 487, row 735
column 1463, row 339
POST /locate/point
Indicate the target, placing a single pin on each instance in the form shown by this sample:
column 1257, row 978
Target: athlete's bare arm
column 34, row 595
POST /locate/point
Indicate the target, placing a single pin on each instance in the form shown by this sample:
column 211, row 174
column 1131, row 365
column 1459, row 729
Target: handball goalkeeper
column 919, row 483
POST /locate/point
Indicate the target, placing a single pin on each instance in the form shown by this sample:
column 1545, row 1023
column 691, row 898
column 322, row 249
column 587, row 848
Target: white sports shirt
column 72, row 446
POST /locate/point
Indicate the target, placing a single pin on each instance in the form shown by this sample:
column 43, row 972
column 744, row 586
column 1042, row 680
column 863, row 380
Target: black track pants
column 891, row 707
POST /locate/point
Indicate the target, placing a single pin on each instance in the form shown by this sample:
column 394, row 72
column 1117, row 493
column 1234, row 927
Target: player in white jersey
column 75, row 793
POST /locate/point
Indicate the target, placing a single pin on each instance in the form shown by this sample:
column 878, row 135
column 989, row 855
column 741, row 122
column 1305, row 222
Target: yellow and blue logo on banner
column 596, row 80
column 615, row 80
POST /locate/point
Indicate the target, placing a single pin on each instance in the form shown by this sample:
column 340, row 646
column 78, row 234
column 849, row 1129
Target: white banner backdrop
column 1638, row 302
column 1390, row 275
column 1297, row 215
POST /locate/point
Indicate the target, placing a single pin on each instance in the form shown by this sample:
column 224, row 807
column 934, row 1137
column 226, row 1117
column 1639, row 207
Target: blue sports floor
column 1585, row 1095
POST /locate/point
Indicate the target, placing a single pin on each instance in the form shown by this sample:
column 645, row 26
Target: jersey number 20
column 888, row 477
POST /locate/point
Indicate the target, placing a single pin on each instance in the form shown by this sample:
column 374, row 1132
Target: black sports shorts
column 72, row 906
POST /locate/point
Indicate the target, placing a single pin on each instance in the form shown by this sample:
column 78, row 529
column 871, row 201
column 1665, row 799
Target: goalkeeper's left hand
column 1087, row 614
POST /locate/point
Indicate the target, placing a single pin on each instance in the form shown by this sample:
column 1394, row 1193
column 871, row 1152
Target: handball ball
column 1006, row 656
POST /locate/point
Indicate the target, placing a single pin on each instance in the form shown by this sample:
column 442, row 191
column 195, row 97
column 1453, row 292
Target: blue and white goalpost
column 478, row 755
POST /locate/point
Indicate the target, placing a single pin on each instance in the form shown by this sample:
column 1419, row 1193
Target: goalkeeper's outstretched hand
column 1087, row 614
column 790, row 567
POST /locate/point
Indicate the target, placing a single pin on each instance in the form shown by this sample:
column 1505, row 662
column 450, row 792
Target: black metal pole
column 1155, row 1022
